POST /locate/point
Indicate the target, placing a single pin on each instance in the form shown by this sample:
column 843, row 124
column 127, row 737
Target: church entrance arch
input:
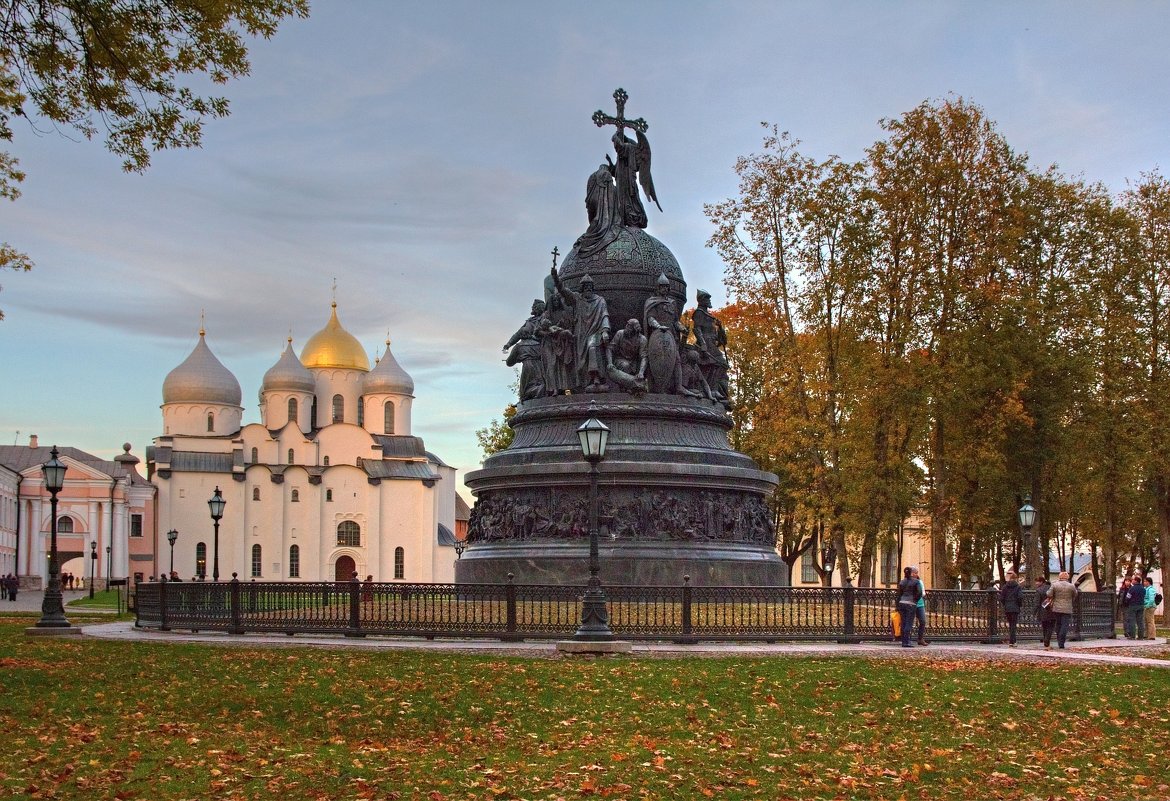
column 344, row 569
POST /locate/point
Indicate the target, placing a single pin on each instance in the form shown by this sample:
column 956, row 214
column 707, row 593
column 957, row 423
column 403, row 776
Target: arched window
column 294, row 561
column 325, row 461
column 292, row 410
column 361, row 413
column 210, row 422
column 255, row 561
column 64, row 525
column 328, row 495
column 399, row 563
column 201, row 559
column 388, row 414
column 255, row 456
column 338, row 409
column 291, row 456
column 349, row 533
column 255, row 493
column 296, row 496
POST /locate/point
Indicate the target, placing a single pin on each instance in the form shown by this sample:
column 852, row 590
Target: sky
column 429, row 155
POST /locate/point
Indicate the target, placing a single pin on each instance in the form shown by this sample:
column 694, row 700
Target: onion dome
column 201, row 378
column 288, row 374
column 388, row 377
column 333, row 346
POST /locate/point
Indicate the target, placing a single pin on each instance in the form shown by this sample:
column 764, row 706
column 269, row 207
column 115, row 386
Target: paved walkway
column 1075, row 653
column 30, row 601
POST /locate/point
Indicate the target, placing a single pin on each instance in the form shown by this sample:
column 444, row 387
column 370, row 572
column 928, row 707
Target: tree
column 119, row 67
column 496, row 435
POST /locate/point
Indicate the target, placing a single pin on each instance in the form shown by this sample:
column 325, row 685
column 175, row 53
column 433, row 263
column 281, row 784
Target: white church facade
column 329, row 483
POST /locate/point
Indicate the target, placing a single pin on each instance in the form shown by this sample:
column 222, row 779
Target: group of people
column 10, row 584
column 1138, row 601
column 1054, row 607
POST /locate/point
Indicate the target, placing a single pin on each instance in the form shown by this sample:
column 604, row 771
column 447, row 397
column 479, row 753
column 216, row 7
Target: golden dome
column 333, row 346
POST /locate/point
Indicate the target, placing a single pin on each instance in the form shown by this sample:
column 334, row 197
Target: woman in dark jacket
column 1010, row 598
column 1044, row 612
column 909, row 591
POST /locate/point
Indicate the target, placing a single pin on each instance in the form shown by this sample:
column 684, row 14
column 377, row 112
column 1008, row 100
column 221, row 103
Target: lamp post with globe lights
column 594, row 624
column 216, row 504
column 53, row 608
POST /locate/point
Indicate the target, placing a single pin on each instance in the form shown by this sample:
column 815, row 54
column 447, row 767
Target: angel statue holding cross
column 632, row 167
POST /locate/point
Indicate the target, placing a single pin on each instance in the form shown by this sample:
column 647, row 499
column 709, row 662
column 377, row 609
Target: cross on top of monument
column 620, row 97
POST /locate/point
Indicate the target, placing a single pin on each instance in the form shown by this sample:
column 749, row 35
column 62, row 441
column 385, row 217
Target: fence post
column 688, row 624
column 235, row 627
column 510, row 596
column 162, row 606
column 849, row 621
column 1077, row 634
column 355, row 608
column 1113, row 615
column 993, row 637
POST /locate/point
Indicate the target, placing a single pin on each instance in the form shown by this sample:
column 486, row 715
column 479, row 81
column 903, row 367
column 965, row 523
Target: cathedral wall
column 274, row 410
column 337, row 381
column 191, row 419
column 375, row 413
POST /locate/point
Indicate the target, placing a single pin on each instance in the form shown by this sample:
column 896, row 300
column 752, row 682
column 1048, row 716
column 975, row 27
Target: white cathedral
column 330, row 483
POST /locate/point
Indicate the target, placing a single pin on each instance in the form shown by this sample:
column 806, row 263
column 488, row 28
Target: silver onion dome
column 388, row 376
column 288, row 374
column 201, row 378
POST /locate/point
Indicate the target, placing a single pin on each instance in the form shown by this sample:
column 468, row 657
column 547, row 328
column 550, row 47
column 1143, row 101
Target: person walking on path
column 1135, row 607
column 909, row 591
column 1044, row 611
column 1063, row 594
column 920, row 607
column 1010, row 598
column 1150, row 606
column 11, row 585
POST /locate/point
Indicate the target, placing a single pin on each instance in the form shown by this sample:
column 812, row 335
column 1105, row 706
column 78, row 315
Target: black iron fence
column 537, row 611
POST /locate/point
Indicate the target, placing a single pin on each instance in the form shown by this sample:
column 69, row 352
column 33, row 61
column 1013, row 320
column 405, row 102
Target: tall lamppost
column 109, row 564
column 460, row 547
column 53, row 608
column 172, row 535
column 829, row 560
column 92, row 564
column 216, row 504
column 594, row 608
column 1027, row 518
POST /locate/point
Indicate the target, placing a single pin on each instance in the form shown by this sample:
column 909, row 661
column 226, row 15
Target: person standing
column 1149, row 608
column 1010, row 598
column 909, row 591
column 1136, row 606
column 1127, row 619
column 920, row 607
column 1044, row 613
column 1064, row 594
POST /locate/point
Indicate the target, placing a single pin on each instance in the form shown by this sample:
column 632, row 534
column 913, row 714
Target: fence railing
column 539, row 611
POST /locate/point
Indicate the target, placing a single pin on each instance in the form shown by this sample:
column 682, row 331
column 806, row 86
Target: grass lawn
column 90, row 719
column 102, row 598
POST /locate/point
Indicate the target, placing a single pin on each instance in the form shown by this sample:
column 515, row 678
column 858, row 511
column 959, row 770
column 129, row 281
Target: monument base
column 595, row 647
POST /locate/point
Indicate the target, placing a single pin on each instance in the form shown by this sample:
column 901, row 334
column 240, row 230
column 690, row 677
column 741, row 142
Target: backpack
column 1157, row 598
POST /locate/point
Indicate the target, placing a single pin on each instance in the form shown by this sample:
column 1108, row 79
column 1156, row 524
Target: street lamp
column 460, row 547
column 594, row 609
column 829, row 560
column 1027, row 518
column 216, row 504
column 53, row 608
column 109, row 564
column 172, row 535
column 92, row 563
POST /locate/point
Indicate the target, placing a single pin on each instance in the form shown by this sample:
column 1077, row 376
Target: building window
column 255, row 561
column 201, row 559
column 292, row 410
column 291, row 456
column 889, row 565
column 399, row 563
column 296, row 496
column 255, row 493
column 211, row 422
column 64, row 525
column 338, row 409
column 255, row 456
column 294, row 561
column 349, row 533
column 808, row 568
column 325, row 461
column 361, row 413
column 329, row 495
column 388, row 417
column 135, row 525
